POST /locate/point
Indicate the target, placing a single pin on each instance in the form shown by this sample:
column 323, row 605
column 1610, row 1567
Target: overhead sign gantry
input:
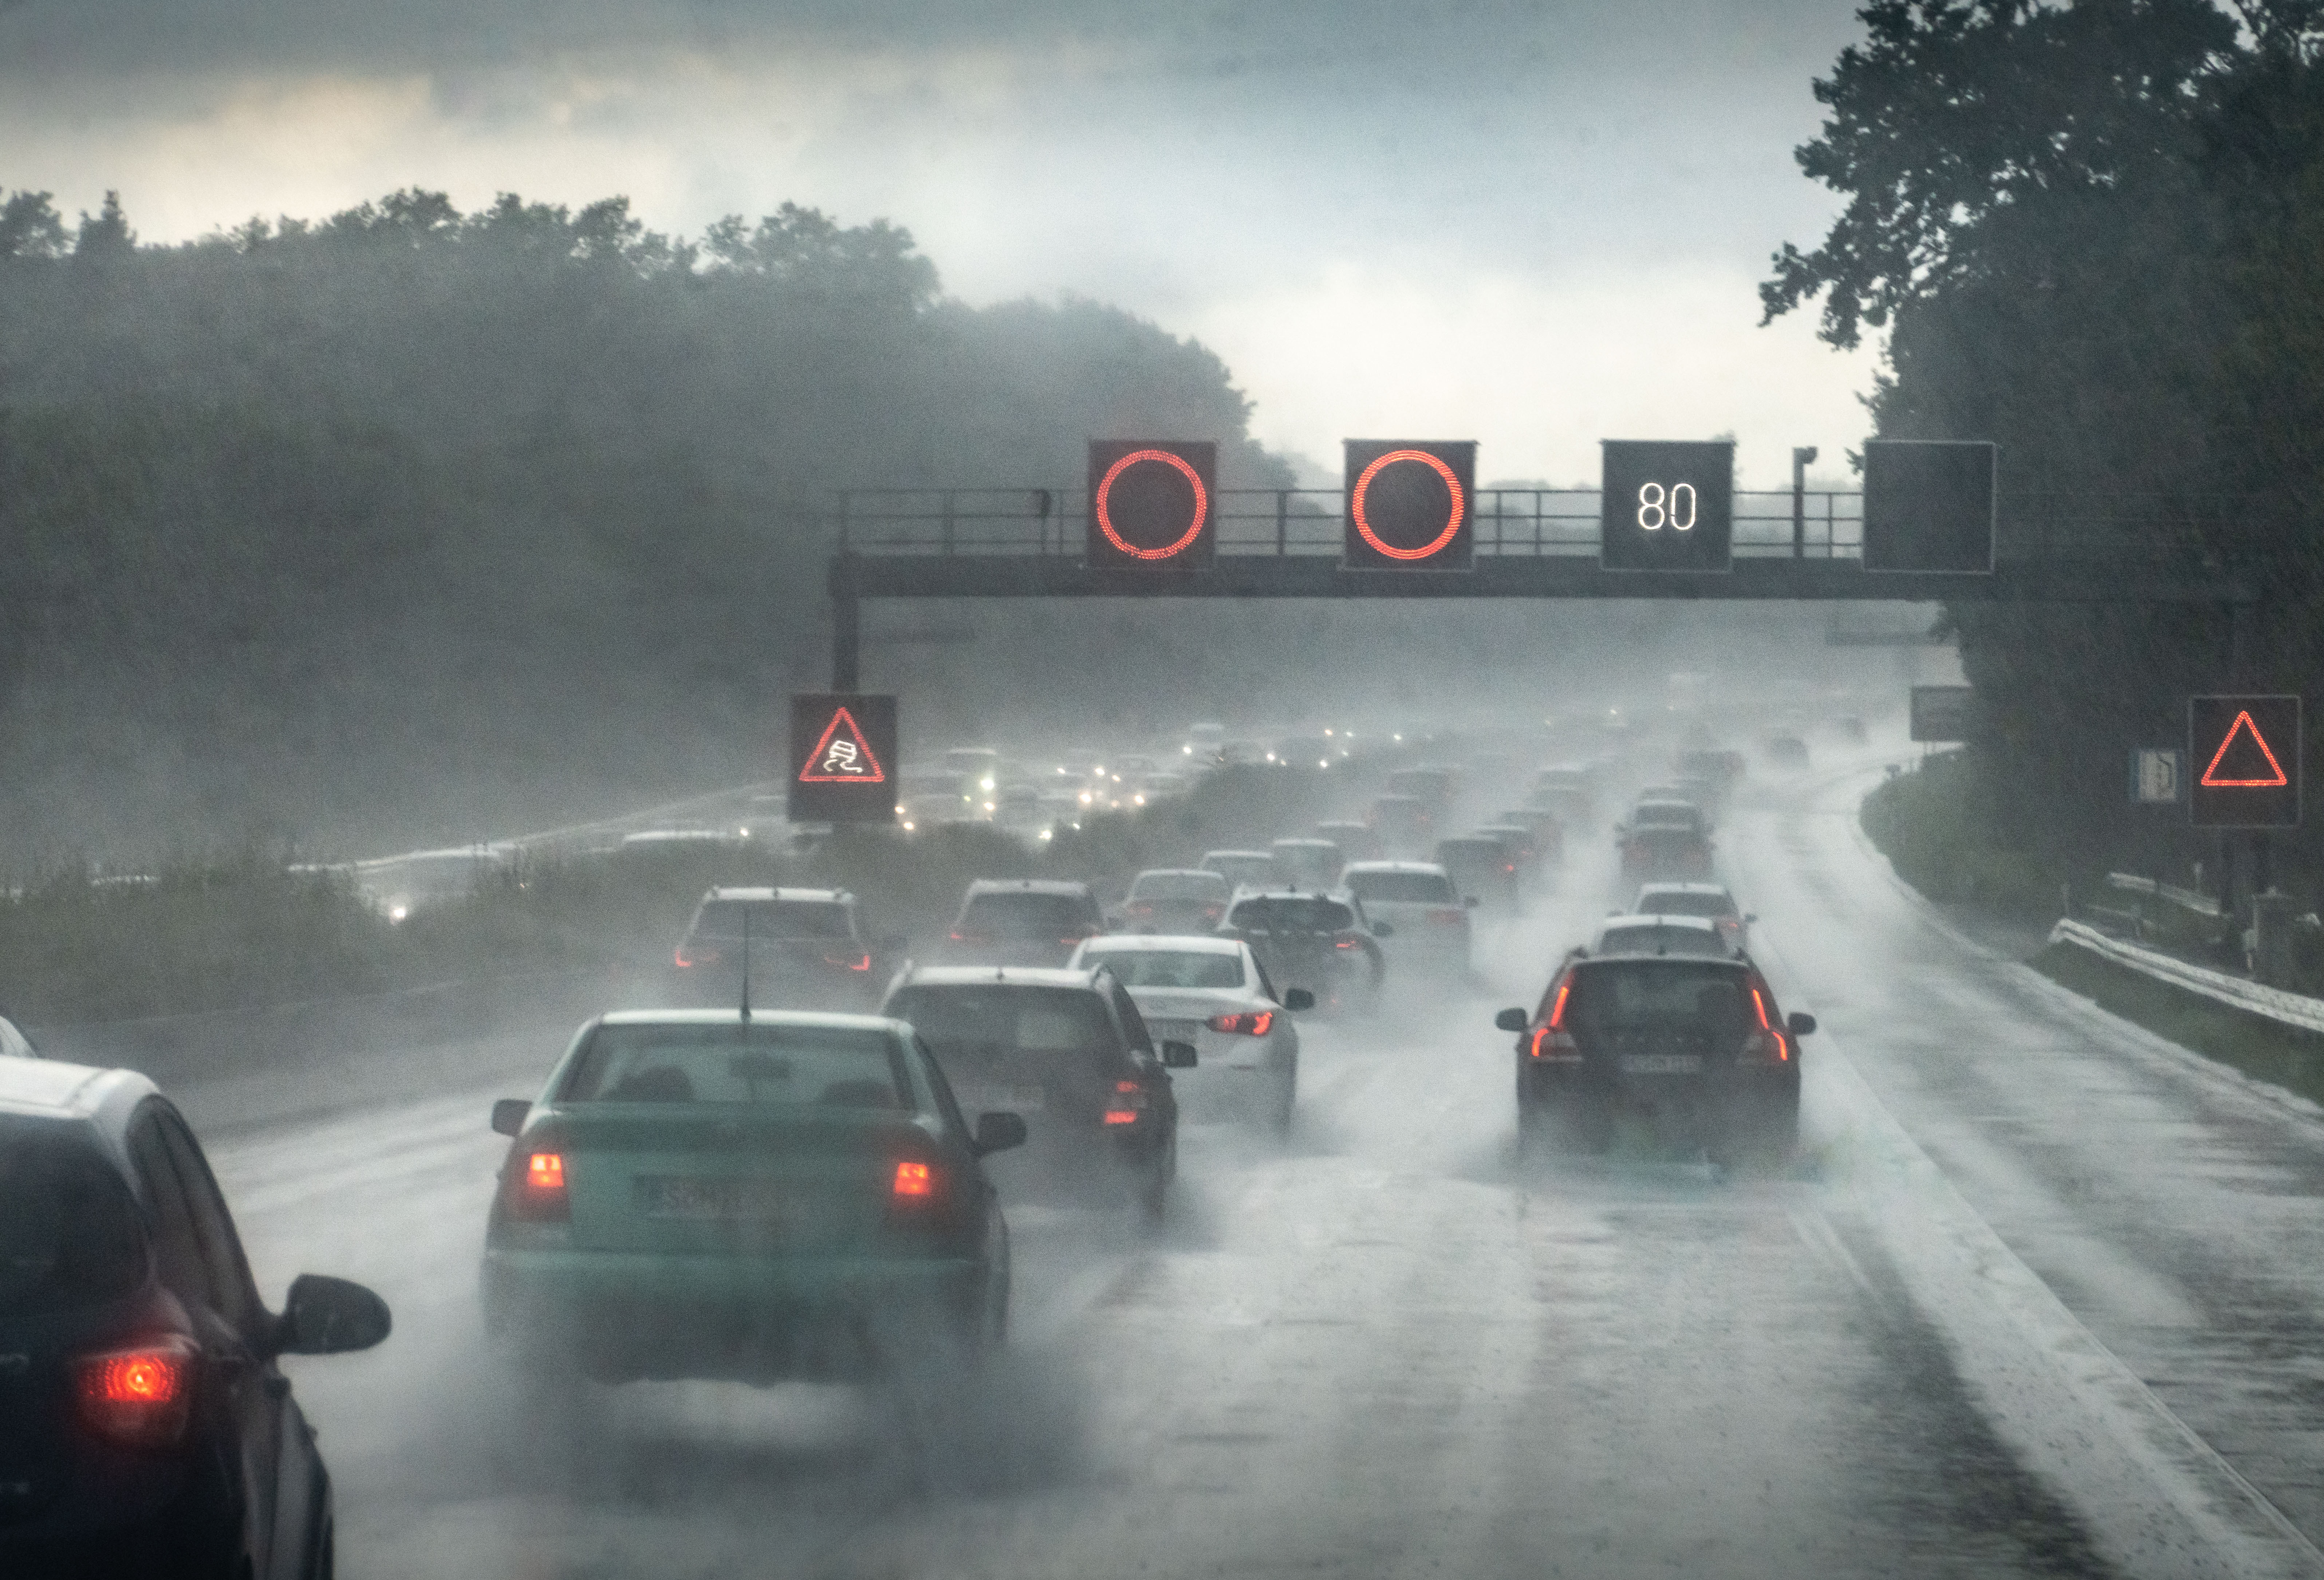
column 1409, row 520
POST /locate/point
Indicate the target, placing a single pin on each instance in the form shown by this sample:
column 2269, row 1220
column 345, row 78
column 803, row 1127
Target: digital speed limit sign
column 1667, row 505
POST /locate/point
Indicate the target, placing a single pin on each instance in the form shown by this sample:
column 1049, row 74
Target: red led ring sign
column 1364, row 528
column 1195, row 480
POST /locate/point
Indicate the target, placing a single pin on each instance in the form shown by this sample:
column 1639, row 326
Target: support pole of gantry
column 846, row 624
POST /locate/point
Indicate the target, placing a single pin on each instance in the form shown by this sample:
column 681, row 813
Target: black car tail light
column 141, row 1396
column 1766, row 1044
column 1552, row 1043
column 1128, row 1103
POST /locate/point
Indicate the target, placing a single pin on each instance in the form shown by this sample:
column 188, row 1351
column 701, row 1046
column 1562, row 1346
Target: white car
column 1210, row 992
column 1708, row 900
column 1692, row 936
column 1417, row 900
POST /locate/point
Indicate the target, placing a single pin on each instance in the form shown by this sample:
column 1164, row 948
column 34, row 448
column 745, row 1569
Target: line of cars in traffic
column 1662, row 1020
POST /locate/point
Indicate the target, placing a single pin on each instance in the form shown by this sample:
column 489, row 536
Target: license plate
column 667, row 1196
column 1000, row 1099
column 1174, row 1031
column 1662, row 1064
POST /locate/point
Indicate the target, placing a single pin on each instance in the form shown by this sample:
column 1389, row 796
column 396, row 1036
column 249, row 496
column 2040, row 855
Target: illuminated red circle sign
column 1194, row 479
column 1451, row 521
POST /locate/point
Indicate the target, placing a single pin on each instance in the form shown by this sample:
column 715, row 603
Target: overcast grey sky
column 1532, row 225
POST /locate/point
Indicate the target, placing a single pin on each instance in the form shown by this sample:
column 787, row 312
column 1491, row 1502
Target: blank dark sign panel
column 1928, row 506
column 2243, row 762
column 1666, row 505
column 1153, row 503
column 1411, row 504
column 842, row 757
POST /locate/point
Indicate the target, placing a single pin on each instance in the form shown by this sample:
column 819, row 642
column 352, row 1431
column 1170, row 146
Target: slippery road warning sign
column 842, row 746
column 2244, row 754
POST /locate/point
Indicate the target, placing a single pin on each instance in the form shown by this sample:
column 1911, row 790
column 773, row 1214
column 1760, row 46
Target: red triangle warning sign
column 841, row 755
column 2254, row 764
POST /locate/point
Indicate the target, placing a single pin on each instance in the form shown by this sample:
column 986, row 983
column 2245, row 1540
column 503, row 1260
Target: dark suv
column 806, row 950
column 1314, row 941
column 1022, row 922
column 1067, row 1050
column 144, row 1427
column 1694, row 1046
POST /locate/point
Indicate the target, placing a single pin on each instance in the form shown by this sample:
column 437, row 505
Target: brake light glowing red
column 914, row 1180
column 1759, row 1007
column 1121, row 1117
column 538, row 1193
column 682, row 961
column 861, row 963
column 1249, row 1023
column 1129, row 1100
column 1557, row 1010
column 141, row 1396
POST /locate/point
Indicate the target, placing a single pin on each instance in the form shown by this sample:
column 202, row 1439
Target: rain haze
column 882, row 789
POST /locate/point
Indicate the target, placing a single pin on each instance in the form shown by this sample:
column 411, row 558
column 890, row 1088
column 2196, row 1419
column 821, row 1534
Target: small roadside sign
column 1944, row 714
column 2157, row 777
column 2244, row 753
column 843, row 752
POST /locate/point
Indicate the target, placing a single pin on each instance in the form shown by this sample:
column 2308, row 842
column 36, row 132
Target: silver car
column 1418, row 901
column 1211, row 992
column 1710, row 901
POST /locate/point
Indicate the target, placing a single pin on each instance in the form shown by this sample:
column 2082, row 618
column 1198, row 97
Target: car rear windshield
column 69, row 1233
column 1675, row 941
column 1178, row 886
column 1673, row 838
column 1453, row 851
column 730, row 1063
column 773, row 919
column 1169, row 968
column 1252, row 868
column 1429, row 888
column 1686, row 905
column 966, row 1020
column 1621, row 998
column 1025, row 915
column 1291, row 913
column 1675, row 815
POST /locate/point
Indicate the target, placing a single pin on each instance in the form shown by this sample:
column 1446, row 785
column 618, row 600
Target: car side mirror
column 1295, row 999
column 1800, row 1022
column 1512, row 1020
column 1750, row 915
column 508, row 1115
column 1114, row 922
column 1383, row 930
column 997, row 1133
column 1469, row 901
column 330, row 1317
column 1178, row 1056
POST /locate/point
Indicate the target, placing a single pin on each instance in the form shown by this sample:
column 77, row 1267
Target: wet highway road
column 2033, row 1269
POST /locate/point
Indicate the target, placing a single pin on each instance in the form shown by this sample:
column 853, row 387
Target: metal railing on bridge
column 1304, row 522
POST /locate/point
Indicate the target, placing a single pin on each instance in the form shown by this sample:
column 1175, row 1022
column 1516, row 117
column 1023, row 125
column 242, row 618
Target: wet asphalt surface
column 2031, row 1269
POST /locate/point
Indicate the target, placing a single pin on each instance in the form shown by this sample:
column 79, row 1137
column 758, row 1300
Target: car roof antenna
column 746, row 965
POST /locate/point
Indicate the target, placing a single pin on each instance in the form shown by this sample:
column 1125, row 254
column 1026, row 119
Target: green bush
column 1935, row 823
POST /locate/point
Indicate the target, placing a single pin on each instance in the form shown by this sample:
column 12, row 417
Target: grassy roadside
column 2260, row 1048
column 240, row 931
column 1935, row 822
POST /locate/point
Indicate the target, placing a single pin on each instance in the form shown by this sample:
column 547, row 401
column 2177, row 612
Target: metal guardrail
column 1527, row 522
column 2296, row 1010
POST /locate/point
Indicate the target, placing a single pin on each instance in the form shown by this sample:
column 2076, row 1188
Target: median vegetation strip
column 243, row 931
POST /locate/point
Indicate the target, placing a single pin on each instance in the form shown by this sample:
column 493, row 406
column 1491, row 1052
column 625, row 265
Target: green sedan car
column 720, row 1194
